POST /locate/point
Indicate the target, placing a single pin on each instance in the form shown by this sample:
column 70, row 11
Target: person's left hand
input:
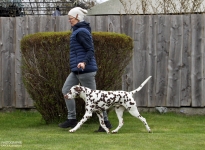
column 81, row 65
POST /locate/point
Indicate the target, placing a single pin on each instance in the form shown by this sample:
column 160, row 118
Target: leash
column 78, row 76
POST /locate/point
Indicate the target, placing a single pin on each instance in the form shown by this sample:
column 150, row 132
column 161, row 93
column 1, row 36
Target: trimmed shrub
column 45, row 67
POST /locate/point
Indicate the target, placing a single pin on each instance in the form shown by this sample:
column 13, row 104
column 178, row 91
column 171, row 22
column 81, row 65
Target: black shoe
column 108, row 125
column 68, row 123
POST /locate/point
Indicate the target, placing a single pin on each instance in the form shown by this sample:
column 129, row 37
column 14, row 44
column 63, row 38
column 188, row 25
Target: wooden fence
column 170, row 48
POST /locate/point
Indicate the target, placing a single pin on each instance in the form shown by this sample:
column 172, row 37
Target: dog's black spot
column 132, row 103
column 108, row 101
column 102, row 122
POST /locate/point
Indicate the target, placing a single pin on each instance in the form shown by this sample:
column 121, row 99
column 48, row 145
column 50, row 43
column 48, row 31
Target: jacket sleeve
column 85, row 40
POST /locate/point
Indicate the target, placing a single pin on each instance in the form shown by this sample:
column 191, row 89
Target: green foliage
column 45, row 66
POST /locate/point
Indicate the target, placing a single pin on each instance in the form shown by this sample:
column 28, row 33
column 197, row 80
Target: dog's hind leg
column 101, row 120
column 119, row 111
column 83, row 120
column 134, row 112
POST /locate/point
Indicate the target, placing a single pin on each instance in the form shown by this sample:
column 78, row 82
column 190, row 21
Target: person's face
column 72, row 20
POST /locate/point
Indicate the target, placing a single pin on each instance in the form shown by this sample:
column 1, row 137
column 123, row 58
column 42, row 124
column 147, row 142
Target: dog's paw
column 72, row 131
column 113, row 132
column 108, row 132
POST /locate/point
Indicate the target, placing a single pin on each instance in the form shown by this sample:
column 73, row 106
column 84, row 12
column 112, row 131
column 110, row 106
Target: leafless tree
column 47, row 7
column 162, row 6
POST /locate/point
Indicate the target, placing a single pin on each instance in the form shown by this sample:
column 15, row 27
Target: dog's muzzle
column 67, row 96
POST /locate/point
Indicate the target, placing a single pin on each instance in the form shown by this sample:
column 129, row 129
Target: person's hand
column 81, row 65
column 66, row 96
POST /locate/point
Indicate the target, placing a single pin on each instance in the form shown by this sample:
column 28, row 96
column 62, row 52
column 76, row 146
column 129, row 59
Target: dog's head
column 74, row 92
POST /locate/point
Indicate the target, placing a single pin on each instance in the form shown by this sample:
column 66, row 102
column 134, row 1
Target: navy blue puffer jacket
column 82, row 48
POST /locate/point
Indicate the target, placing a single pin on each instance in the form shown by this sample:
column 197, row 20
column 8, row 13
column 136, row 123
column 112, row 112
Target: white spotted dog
column 98, row 101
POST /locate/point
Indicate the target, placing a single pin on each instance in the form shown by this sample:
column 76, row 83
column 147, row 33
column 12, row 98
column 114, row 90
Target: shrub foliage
column 45, row 67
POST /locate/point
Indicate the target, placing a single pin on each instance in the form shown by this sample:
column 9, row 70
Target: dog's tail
column 141, row 86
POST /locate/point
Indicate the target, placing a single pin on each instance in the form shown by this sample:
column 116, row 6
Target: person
column 57, row 12
column 82, row 64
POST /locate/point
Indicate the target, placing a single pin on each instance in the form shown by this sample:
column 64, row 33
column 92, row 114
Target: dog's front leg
column 101, row 120
column 80, row 123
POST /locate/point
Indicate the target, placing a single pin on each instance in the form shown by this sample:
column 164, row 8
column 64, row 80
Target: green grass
column 169, row 132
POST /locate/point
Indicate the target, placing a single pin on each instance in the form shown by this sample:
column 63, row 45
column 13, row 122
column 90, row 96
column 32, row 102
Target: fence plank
column 12, row 46
column 163, row 43
column 127, row 78
column 101, row 23
column 151, row 58
column 127, row 26
column 174, row 62
column 92, row 21
column 7, row 56
column 46, row 24
column 186, row 63
column 32, row 25
column 197, row 23
column 19, row 87
column 203, row 63
column 114, row 23
column 139, row 58
column 62, row 23
column 28, row 99
column 1, row 65
column 144, row 92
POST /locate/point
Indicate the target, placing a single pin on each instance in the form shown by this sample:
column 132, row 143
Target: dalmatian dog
column 98, row 101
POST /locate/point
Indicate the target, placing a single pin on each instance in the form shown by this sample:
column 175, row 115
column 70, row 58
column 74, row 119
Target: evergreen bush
column 45, row 67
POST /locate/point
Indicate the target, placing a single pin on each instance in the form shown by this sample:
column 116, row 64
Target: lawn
column 26, row 130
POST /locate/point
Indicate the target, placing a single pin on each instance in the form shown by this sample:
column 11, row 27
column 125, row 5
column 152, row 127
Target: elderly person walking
column 82, row 64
